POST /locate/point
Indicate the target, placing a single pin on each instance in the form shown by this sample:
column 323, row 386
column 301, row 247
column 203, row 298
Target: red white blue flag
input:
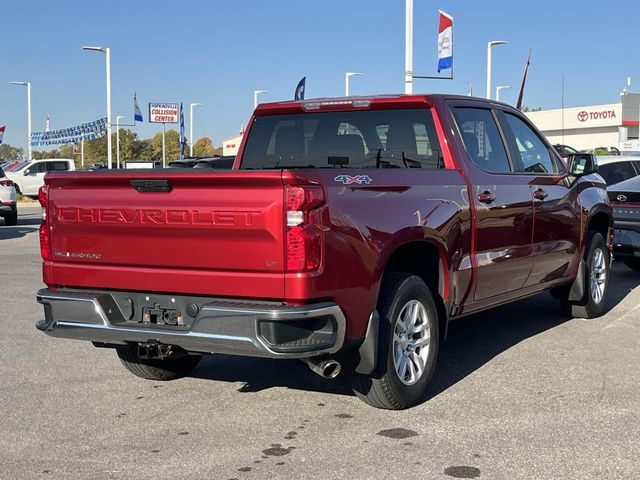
column 137, row 114
column 445, row 41
column 2, row 132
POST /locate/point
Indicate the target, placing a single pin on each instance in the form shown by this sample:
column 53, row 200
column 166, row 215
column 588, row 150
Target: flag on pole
column 137, row 114
column 445, row 41
column 299, row 94
column 47, row 124
column 182, row 141
column 524, row 79
column 2, row 128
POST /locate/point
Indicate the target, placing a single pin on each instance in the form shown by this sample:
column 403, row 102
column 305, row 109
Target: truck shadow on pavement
column 471, row 343
column 25, row 226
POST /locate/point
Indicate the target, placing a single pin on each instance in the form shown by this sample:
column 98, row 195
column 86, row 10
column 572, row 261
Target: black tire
column 154, row 369
column 11, row 220
column 384, row 389
column 587, row 306
column 632, row 263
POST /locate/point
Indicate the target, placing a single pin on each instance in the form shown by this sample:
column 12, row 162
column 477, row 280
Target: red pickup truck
column 348, row 233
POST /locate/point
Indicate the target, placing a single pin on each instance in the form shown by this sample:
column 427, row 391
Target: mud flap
column 576, row 293
column 368, row 351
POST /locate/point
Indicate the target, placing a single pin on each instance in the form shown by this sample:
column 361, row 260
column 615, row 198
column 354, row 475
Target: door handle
column 486, row 197
column 540, row 194
column 153, row 185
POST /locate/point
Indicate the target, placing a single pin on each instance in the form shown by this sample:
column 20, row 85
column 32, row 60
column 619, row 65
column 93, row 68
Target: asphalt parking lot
column 520, row 392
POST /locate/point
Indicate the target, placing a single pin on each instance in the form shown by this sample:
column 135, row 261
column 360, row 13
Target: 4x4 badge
column 357, row 179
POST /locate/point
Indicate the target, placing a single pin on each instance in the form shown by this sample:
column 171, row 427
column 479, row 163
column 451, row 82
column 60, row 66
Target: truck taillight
column 45, row 239
column 6, row 183
column 303, row 238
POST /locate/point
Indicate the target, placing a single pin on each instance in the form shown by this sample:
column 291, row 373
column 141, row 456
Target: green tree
column 9, row 153
column 172, row 145
column 203, row 147
column 95, row 151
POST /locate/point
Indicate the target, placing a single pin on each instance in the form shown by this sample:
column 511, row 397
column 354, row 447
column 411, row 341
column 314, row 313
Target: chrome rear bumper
column 220, row 326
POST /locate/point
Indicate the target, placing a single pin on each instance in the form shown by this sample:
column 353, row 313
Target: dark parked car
column 565, row 150
column 184, row 163
column 625, row 200
column 219, row 163
column 618, row 169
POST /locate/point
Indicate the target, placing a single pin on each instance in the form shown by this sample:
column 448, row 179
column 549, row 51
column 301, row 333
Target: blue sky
column 218, row 52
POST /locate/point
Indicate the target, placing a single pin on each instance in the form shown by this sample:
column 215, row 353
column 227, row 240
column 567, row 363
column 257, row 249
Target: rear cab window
column 58, row 166
column 403, row 138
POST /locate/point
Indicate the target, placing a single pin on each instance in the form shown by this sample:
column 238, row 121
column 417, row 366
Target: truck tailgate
column 212, row 229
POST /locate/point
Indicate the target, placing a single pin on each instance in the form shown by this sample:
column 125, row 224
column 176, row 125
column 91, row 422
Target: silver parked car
column 8, row 204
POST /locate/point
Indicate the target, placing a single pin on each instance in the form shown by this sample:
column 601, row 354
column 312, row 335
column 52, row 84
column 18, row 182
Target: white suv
column 29, row 177
column 8, row 208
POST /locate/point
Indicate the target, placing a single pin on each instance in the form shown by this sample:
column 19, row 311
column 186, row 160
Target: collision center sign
column 163, row 112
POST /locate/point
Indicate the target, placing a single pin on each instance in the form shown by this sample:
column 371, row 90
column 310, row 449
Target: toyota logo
column 582, row 116
column 621, row 198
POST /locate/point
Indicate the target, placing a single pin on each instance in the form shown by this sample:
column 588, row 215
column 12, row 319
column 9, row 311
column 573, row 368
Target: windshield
column 350, row 139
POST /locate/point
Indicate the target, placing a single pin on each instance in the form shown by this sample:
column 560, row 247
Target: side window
column 59, row 166
column 39, row 167
column 616, row 172
column 534, row 154
column 482, row 139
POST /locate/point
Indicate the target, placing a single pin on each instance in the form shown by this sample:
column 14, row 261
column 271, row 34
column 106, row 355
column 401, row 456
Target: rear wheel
column 169, row 368
column 598, row 262
column 11, row 219
column 408, row 345
column 632, row 263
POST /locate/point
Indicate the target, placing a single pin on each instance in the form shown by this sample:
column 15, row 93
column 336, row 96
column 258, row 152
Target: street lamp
column 118, row 117
column 346, row 81
column 498, row 88
column 191, row 105
column 28, row 85
column 107, row 52
column 255, row 96
column 491, row 44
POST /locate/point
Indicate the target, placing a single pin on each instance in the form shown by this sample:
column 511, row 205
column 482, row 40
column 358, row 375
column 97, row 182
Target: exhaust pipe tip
column 331, row 369
column 325, row 368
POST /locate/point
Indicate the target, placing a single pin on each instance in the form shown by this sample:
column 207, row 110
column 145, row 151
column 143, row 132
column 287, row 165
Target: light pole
column 498, row 88
column 255, row 96
column 118, row 117
column 408, row 48
column 346, row 81
column 107, row 53
column 490, row 45
column 191, row 105
column 28, row 85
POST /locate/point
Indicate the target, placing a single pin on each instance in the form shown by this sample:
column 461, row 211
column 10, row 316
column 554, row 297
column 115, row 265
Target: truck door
column 503, row 204
column 34, row 178
column 556, row 212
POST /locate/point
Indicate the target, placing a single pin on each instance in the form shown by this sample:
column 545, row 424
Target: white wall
column 583, row 139
column 231, row 145
column 584, row 127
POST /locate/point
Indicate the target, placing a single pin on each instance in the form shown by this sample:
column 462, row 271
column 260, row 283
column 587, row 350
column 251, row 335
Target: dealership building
column 610, row 125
